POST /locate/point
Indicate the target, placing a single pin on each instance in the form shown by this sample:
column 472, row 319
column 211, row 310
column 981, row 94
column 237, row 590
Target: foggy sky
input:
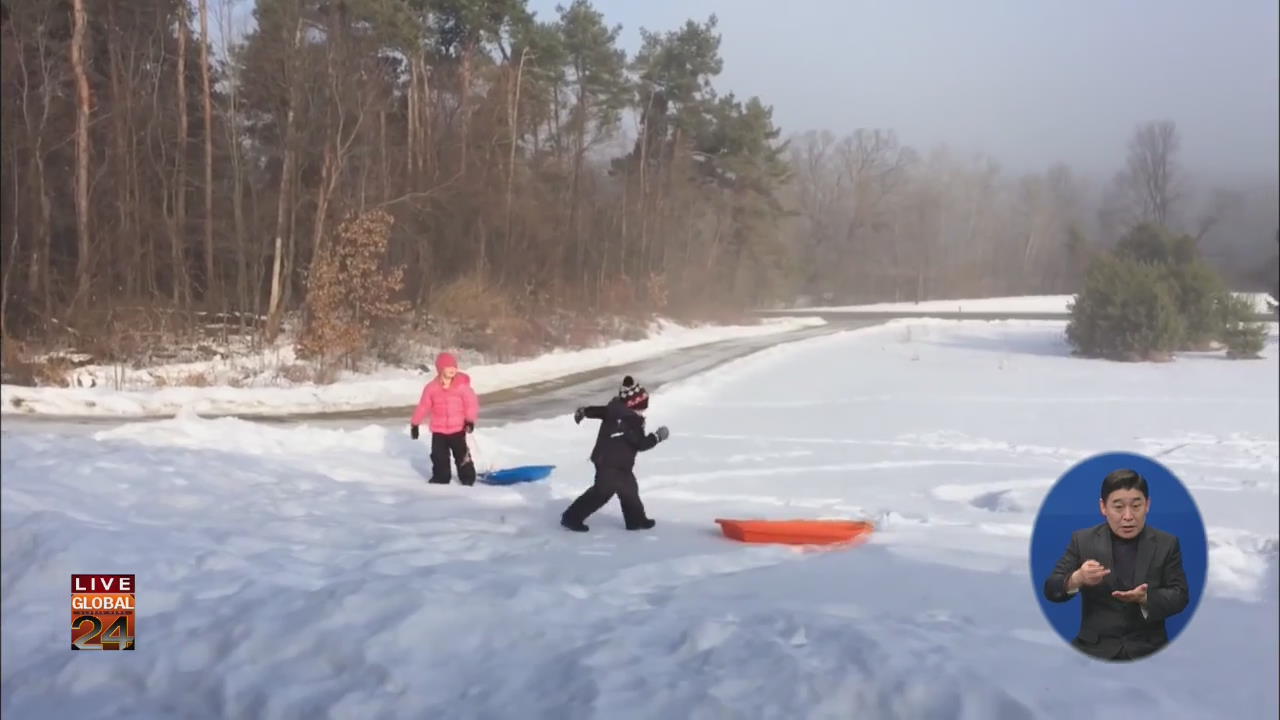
column 1030, row 82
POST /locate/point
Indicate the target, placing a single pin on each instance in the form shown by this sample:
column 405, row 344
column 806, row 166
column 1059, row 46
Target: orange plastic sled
column 796, row 532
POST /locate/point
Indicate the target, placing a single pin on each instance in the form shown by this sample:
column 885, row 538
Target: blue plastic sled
column 512, row 476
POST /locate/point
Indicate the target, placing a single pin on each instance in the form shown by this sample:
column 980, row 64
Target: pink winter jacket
column 449, row 409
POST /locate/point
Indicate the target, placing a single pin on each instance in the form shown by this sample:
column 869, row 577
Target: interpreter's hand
column 578, row 415
column 1137, row 595
column 413, row 431
column 1091, row 573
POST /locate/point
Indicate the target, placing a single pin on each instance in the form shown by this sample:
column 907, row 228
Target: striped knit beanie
column 633, row 394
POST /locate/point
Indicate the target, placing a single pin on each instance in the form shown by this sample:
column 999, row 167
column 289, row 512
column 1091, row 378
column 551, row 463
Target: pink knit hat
column 445, row 360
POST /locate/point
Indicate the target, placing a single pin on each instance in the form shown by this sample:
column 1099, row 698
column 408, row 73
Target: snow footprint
column 706, row 636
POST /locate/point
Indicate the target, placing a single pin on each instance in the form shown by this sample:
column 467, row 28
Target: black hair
column 628, row 381
column 1124, row 480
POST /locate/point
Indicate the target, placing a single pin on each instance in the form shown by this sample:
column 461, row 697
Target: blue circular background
column 1072, row 504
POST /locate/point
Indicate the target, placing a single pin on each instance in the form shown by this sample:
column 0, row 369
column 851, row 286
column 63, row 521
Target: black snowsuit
column 621, row 436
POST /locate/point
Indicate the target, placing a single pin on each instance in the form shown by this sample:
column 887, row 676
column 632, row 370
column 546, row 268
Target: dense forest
column 464, row 158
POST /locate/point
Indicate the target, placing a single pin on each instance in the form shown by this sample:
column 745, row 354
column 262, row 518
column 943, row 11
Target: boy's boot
column 574, row 525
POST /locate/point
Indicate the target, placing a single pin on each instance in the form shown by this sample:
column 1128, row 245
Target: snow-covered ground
column 96, row 389
column 296, row 572
column 1024, row 304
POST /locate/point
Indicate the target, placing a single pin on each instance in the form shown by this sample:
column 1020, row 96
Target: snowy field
column 1024, row 304
column 95, row 388
column 295, row 572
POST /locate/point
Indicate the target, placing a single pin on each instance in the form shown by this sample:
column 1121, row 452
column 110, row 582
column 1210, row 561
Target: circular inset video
column 1118, row 557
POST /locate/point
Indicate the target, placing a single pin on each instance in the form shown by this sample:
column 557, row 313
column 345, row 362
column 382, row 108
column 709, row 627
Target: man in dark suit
column 1128, row 575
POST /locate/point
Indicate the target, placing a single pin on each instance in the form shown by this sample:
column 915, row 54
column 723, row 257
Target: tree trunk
column 553, row 131
column 622, row 235
column 1028, row 253
column 384, row 157
column 604, row 254
column 40, row 263
column 335, row 155
column 179, row 230
column 687, row 261
column 275, row 307
column 13, row 254
column 515, row 138
column 464, row 106
column 418, row 127
column 425, row 166
column 291, row 250
column 411, row 125
column 713, row 251
column 38, row 270
column 328, row 181
column 644, row 183
column 211, row 284
column 481, row 258
column 664, row 191
column 79, row 23
column 244, row 301
column 580, row 122
column 120, row 159
column 237, row 212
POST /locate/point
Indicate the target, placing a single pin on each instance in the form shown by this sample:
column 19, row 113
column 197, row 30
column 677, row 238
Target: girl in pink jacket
column 453, row 408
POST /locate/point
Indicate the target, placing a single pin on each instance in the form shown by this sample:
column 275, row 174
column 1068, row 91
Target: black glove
column 663, row 433
column 413, row 431
column 578, row 415
column 469, row 426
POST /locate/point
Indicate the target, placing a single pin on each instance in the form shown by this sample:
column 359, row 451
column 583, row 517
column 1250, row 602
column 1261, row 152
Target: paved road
column 530, row 402
column 561, row 396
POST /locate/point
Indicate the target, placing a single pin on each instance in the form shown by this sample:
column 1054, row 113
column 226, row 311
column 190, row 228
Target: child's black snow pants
column 441, row 446
column 609, row 482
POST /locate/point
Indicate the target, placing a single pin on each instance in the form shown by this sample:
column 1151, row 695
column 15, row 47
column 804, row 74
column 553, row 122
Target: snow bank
column 294, row 571
column 1019, row 304
column 385, row 388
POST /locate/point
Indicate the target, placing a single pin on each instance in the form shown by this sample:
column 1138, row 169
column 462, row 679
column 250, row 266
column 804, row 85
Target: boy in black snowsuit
column 621, row 436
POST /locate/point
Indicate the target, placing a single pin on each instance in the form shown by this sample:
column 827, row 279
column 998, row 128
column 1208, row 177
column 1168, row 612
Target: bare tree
column 513, row 111
column 80, row 22
column 872, row 164
column 1223, row 203
column 816, row 187
column 209, row 276
column 275, row 305
column 178, row 230
column 231, row 120
column 35, row 128
column 1151, row 170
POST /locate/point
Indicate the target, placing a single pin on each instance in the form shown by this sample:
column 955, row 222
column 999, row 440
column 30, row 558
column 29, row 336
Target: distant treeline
column 156, row 157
